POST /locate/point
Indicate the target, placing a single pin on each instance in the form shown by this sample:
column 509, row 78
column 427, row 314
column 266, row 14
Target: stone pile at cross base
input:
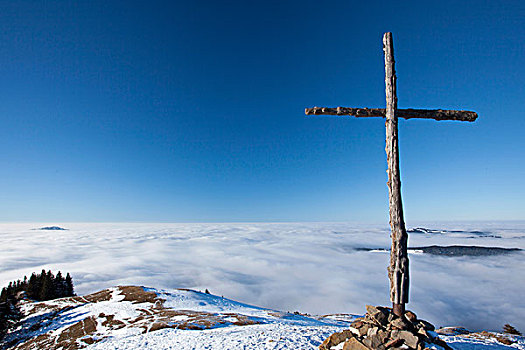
column 380, row 329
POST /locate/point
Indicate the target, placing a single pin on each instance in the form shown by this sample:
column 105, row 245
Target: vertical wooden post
column 398, row 269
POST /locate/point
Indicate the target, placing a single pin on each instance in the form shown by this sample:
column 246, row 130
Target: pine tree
column 47, row 292
column 69, row 286
column 510, row 330
column 60, row 285
column 32, row 288
column 39, row 283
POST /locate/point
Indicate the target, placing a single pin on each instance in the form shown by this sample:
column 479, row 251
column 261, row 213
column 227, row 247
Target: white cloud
column 306, row 267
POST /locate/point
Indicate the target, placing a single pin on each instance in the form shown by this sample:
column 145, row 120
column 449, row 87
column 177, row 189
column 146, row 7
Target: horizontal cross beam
column 437, row 114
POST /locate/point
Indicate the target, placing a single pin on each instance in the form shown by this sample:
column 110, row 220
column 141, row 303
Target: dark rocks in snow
column 380, row 329
column 452, row 331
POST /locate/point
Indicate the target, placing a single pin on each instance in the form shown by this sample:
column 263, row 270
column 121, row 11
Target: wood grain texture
column 437, row 114
column 398, row 269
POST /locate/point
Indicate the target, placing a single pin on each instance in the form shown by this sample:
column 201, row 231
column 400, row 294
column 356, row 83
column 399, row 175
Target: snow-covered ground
column 146, row 318
column 308, row 267
column 132, row 317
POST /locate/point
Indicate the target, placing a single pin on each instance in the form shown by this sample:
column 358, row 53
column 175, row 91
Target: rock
column 424, row 334
column 374, row 342
column 377, row 314
column 504, row 340
column 441, row 343
column 410, row 316
column 452, row 331
column 357, row 323
column 335, row 339
column 372, row 331
column 393, row 343
column 364, row 329
column 409, row 339
column 383, row 335
column 400, row 323
column 380, row 329
column 425, row 325
column 356, row 326
column 354, row 344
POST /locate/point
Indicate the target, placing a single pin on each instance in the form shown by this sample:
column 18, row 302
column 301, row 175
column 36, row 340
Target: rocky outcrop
column 380, row 329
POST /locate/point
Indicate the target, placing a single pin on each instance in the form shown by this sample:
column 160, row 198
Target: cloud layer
column 308, row 267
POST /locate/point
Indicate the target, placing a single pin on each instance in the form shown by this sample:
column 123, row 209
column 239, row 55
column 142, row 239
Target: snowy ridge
column 186, row 299
column 128, row 314
column 131, row 317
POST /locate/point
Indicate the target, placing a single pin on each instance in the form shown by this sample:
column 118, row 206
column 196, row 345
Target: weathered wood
column 437, row 114
column 398, row 269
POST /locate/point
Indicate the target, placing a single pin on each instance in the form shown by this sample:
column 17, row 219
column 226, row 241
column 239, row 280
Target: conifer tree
column 47, row 291
column 69, row 286
column 510, row 330
column 60, row 285
column 32, row 288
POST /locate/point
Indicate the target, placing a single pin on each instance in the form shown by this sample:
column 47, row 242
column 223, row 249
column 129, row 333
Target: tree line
column 40, row 287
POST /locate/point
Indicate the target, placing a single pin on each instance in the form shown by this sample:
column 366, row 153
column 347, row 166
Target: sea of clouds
column 307, row 267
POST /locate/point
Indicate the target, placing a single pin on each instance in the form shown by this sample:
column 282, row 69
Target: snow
column 277, row 330
column 268, row 336
column 308, row 267
column 191, row 300
column 471, row 343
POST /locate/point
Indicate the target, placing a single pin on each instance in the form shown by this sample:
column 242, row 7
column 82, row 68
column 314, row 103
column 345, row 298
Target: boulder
column 335, row 339
column 410, row 316
column 409, row 339
column 400, row 323
column 425, row 325
column 377, row 314
column 354, row 344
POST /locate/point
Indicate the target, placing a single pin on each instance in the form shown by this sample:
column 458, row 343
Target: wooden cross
column 398, row 269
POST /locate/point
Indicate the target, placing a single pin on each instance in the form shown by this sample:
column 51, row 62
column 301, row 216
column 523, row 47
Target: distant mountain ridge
column 453, row 250
column 463, row 233
column 51, row 228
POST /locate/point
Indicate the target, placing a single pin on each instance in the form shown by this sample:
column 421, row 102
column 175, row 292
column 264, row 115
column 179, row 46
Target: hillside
column 131, row 317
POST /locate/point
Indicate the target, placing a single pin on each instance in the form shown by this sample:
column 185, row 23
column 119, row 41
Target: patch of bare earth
column 502, row 338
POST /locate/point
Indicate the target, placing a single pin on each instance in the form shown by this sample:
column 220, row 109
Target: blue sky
column 194, row 110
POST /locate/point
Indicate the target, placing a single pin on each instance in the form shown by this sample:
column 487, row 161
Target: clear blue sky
column 194, row 110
